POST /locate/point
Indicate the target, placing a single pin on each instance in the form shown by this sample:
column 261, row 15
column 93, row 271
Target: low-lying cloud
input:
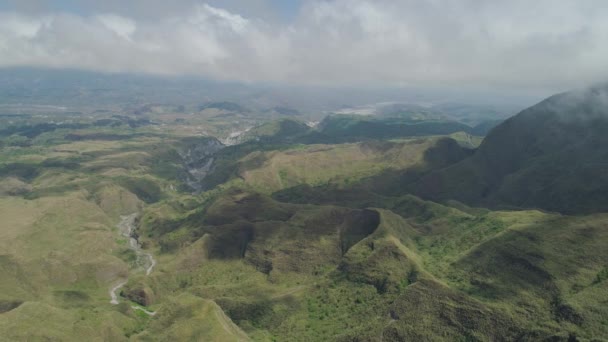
column 343, row 42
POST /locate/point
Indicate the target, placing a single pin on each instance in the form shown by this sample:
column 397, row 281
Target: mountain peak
column 548, row 156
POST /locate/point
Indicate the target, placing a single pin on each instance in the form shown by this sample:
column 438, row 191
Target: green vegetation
column 550, row 156
column 301, row 234
column 343, row 128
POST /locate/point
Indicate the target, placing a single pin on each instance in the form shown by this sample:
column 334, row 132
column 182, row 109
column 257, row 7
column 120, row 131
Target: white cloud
column 342, row 42
column 123, row 27
column 12, row 24
column 221, row 17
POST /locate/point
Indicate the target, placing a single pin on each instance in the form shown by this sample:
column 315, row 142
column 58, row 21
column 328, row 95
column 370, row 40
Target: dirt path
column 152, row 264
column 113, row 292
column 149, row 313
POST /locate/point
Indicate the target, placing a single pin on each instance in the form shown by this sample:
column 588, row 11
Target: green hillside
column 324, row 272
column 344, row 128
column 549, row 156
column 358, row 230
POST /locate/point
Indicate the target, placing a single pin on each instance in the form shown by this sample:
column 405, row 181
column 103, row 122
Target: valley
column 303, row 171
column 144, row 260
column 358, row 229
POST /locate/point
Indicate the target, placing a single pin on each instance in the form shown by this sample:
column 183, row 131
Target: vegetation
column 293, row 236
column 550, row 156
column 342, row 128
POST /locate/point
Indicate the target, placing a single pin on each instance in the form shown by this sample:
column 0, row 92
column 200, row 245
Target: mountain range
column 382, row 228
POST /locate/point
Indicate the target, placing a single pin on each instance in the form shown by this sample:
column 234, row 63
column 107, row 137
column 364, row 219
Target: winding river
column 145, row 260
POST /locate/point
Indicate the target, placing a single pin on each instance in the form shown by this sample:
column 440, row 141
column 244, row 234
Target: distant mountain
column 553, row 156
column 225, row 105
column 285, row 111
column 410, row 112
column 476, row 114
column 484, row 116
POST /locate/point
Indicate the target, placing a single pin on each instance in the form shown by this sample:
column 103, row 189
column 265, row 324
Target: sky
column 556, row 44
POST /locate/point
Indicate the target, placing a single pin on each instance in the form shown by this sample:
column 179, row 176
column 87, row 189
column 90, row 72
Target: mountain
column 126, row 230
column 225, row 105
column 483, row 128
column 278, row 131
column 410, row 112
column 286, row 111
column 550, row 156
column 344, row 128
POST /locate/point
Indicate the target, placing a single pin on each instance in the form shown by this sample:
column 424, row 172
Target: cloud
column 342, row 42
column 12, row 25
column 123, row 27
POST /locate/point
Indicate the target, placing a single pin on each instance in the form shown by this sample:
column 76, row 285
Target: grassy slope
column 549, row 156
column 341, row 165
column 187, row 317
column 422, row 273
column 319, row 164
column 59, row 258
column 61, row 251
column 342, row 269
column 344, row 128
column 449, row 239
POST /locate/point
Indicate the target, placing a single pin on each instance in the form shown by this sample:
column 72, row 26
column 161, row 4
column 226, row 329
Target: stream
column 145, row 260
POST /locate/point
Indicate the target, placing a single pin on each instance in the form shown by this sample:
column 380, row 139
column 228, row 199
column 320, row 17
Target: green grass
column 407, row 261
column 342, row 165
column 293, row 242
column 60, row 249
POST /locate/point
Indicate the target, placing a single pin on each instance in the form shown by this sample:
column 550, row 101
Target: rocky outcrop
column 141, row 295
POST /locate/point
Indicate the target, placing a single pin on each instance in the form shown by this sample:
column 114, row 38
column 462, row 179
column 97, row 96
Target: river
column 144, row 260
